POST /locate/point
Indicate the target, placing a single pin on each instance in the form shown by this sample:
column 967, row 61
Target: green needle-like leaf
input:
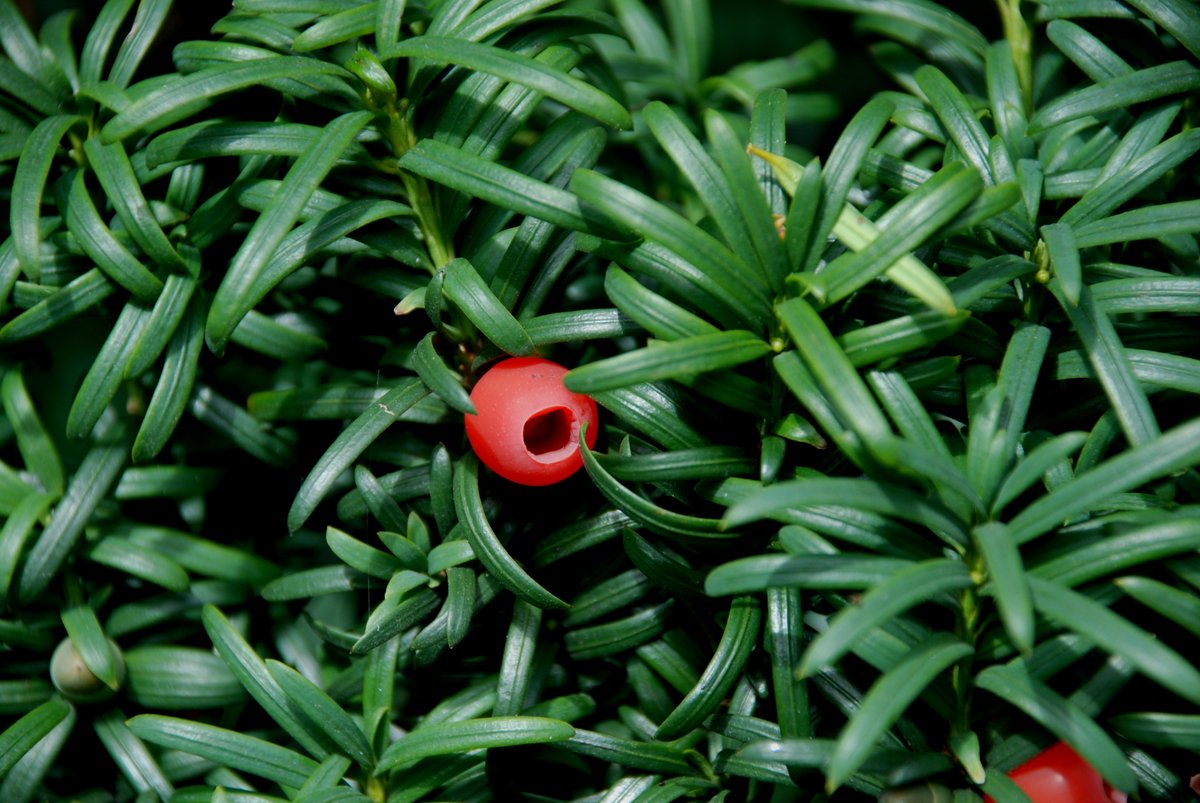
column 853, row 230
column 659, row 316
column 1110, row 363
column 60, row 306
column 201, row 555
column 762, row 572
column 487, row 545
column 737, row 641
column 328, row 229
column 1148, row 222
column 132, row 755
column 638, row 214
column 912, row 222
column 29, row 185
column 169, row 310
column 1121, row 92
column 653, row 757
column 816, row 754
column 18, row 527
column 930, row 19
column 321, row 581
column 98, row 242
column 1177, row 17
column 646, row 512
column 1064, row 258
column 716, row 462
column 116, row 175
column 33, row 441
column 1177, row 605
column 764, row 250
column 24, row 779
column 1133, row 178
column 237, row 750
column 175, row 382
column 1151, row 294
column 18, row 41
column 473, row 734
column 100, row 39
column 1014, row 684
column 887, row 701
column 566, row 89
column 899, row 336
column 516, row 668
column 460, row 603
column 957, row 117
column 210, row 138
column 147, row 22
column 1035, row 465
column 1009, row 584
column 17, row 83
column 351, row 443
column 1097, row 60
column 190, row 94
column 838, row 173
column 395, row 615
column 1174, row 450
column 326, row 713
column 997, row 424
column 251, row 671
column 782, row 626
column 1117, row 635
column 107, row 372
column 1146, row 545
column 87, row 488
column 336, row 28
column 837, row 377
column 892, row 500
column 1164, row 730
column 20, row 737
column 681, row 358
column 919, row 583
column 326, row 783
column 363, row 557
column 493, row 182
column 234, row 297
column 87, row 635
column 467, row 289
column 702, row 172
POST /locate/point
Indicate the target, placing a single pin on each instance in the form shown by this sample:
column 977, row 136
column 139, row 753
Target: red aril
column 527, row 424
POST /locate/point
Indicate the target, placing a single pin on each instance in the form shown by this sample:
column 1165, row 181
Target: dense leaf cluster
column 897, row 481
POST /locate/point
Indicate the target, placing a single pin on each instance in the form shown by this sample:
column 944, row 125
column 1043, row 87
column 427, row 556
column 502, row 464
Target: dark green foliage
column 897, row 477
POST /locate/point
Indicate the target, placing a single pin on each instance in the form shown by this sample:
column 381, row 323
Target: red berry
column 527, row 423
column 1058, row 774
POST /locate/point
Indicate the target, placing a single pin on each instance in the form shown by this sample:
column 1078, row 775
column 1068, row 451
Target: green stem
column 401, row 137
column 970, row 614
column 1020, row 41
column 376, row 789
column 969, row 603
column 964, row 742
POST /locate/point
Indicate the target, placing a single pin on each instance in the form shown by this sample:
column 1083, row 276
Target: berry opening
column 549, row 432
column 1115, row 795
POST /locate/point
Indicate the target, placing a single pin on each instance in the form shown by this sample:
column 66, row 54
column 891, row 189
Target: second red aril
column 1060, row 775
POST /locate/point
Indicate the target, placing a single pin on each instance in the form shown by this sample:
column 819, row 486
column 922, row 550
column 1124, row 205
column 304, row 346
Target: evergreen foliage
column 897, row 478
